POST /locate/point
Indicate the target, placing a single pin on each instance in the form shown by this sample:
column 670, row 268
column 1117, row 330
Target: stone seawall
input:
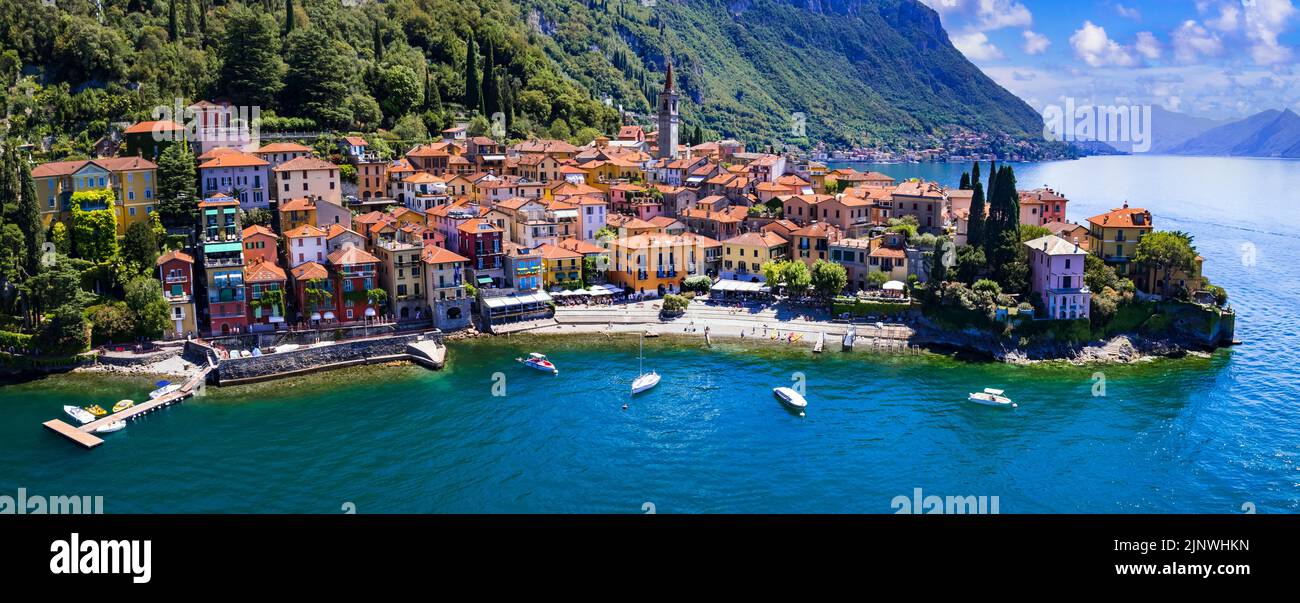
column 234, row 371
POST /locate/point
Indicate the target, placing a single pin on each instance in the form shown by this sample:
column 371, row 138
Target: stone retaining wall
column 129, row 360
column 349, row 353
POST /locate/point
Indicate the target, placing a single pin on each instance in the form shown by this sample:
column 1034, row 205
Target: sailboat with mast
column 645, row 380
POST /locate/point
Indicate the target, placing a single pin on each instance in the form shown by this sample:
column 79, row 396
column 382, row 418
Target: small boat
column 849, row 338
column 991, row 397
column 791, row 398
column 111, row 427
column 164, row 388
column 539, row 362
column 79, row 414
column 644, row 380
column 123, row 405
column 96, row 410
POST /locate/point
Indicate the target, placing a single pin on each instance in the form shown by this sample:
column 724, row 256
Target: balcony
column 176, row 279
column 219, row 262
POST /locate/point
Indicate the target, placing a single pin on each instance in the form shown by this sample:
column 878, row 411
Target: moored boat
column 991, row 397
column 96, row 410
column 164, row 388
column 792, row 399
column 539, row 362
column 123, row 405
column 644, row 380
column 78, row 413
column 111, row 427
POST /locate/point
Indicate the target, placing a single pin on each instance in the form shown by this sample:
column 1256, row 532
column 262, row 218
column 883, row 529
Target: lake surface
column 1192, row 435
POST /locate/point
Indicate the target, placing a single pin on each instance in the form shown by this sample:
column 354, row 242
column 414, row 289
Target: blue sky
column 1213, row 58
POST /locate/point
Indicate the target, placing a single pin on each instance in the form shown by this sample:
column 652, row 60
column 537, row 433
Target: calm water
column 1193, row 435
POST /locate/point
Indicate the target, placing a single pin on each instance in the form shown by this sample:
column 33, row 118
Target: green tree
column 173, row 23
column 59, row 236
column 491, row 87
column 943, row 254
column 251, row 70
column 28, row 218
column 110, row 322
column 66, row 331
column 398, row 90
column 288, row 18
column 316, row 83
column 176, row 185
column 796, row 277
column 473, row 86
column 148, row 306
column 1166, row 252
column 976, row 221
column 94, row 232
column 828, row 278
column 140, row 245
column 57, row 285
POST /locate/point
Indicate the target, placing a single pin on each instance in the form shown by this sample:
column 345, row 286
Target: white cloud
column 1147, row 45
column 1091, row 44
column 1035, row 43
column 982, row 15
column 976, row 46
column 1128, row 13
column 1191, row 41
column 1256, row 24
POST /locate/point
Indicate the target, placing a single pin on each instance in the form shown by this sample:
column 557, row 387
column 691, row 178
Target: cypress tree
column 473, row 93
column 379, row 44
column 28, row 216
column 975, row 174
column 491, row 90
column 288, row 17
column 965, row 181
column 975, row 226
column 173, row 25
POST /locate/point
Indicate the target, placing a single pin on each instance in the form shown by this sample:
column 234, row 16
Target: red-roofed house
column 176, row 271
column 355, row 274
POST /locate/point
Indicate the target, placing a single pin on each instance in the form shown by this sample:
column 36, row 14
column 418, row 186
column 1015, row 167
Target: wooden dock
column 84, row 435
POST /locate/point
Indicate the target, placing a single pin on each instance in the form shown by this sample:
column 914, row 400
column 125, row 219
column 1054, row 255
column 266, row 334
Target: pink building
column 1056, row 276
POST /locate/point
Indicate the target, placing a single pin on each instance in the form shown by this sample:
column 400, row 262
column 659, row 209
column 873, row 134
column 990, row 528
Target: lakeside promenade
column 753, row 322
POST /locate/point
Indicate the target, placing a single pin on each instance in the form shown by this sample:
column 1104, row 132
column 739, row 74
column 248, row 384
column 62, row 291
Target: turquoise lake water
column 1191, row 435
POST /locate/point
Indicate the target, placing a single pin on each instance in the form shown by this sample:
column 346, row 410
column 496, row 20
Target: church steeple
column 669, row 122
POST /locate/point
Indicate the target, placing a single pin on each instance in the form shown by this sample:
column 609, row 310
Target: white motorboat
column 791, row 398
column 80, row 414
column 164, row 388
column 111, row 427
column 539, row 362
column 644, row 380
column 991, row 397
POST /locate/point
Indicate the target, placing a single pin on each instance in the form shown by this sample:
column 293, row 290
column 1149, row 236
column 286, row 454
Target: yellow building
column 744, row 255
column 132, row 180
column 1114, row 237
column 560, row 265
column 658, row 262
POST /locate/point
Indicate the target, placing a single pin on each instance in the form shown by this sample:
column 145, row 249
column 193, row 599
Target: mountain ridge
column 1271, row 133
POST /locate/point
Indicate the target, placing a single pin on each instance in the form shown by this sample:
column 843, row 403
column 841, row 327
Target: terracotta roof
column 477, row 225
column 148, row 127
column 582, row 247
column 174, row 254
column 355, row 141
column 1125, row 217
column 233, row 159
column 351, row 255
column 112, row 164
column 299, row 204
column 817, row 230
column 916, row 188
column 305, row 163
column 338, row 229
column 262, row 271
column 439, row 255
column 283, row 147
column 556, row 252
column 763, row 239
column 258, row 229
column 306, row 230
column 308, row 271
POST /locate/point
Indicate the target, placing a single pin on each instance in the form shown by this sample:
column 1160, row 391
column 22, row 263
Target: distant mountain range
column 1269, row 134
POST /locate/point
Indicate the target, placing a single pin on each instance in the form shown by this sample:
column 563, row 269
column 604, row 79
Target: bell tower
column 669, row 122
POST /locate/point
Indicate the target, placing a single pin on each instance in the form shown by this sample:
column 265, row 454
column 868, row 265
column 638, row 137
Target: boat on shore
column 79, row 413
column 849, row 337
column 123, row 405
column 991, row 397
column 539, row 362
column 118, row 425
column 164, row 388
column 644, row 380
column 821, row 343
column 791, row 399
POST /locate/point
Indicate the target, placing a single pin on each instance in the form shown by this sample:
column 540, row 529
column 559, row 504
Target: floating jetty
column 85, row 434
